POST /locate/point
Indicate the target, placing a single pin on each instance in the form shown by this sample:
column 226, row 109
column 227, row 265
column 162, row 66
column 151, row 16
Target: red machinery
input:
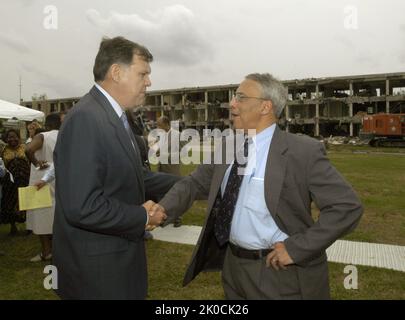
column 384, row 129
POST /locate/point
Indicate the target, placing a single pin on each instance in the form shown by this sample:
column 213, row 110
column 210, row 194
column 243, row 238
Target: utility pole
column 20, row 90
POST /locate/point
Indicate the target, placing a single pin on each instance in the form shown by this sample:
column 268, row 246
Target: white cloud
column 345, row 41
column 172, row 33
column 401, row 55
column 14, row 42
column 27, row 3
column 52, row 83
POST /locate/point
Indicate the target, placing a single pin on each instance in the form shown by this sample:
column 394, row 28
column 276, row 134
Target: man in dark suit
column 259, row 230
column 101, row 214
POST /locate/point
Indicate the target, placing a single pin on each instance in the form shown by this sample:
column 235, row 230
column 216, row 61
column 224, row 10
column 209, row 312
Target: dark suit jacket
column 99, row 224
column 297, row 173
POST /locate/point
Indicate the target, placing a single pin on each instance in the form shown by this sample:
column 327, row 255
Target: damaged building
column 316, row 106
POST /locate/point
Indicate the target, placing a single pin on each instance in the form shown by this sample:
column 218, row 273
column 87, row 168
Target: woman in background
column 2, row 173
column 31, row 128
column 40, row 153
column 18, row 172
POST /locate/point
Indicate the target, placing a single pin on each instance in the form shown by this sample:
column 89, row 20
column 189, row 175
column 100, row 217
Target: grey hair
column 272, row 89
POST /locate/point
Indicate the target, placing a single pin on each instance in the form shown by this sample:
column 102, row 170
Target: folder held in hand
column 31, row 198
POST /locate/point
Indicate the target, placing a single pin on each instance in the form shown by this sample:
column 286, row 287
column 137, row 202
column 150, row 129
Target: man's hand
column 148, row 205
column 156, row 213
column 279, row 257
column 39, row 184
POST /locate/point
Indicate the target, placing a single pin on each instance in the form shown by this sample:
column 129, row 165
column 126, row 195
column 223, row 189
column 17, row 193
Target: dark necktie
column 224, row 208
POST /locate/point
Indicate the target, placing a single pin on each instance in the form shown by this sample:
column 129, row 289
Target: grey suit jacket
column 297, row 173
column 99, row 224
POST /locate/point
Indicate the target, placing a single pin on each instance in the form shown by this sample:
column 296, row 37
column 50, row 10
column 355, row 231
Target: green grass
column 378, row 179
column 19, row 278
column 167, row 262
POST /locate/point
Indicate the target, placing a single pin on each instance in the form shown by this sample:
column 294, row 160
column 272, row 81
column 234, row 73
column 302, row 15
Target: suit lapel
column 120, row 132
column 219, row 172
column 275, row 170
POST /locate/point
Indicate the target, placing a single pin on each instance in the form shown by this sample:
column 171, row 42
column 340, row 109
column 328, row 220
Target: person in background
column 40, row 152
column 32, row 128
column 2, row 145
column 18, row 171
column 38, row 130
column 2, row 174
column 48, row 177
column 49, row 174
column 173, row 152
column 62, row 115
column 144, row 151
column 2, row 171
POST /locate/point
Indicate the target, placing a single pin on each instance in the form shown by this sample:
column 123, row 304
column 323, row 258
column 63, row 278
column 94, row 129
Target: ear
column 115, row 72
column 267, row 107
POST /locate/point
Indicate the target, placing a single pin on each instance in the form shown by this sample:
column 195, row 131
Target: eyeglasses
column 239, row 97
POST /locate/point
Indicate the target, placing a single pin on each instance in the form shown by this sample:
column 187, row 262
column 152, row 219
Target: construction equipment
column 384, row 129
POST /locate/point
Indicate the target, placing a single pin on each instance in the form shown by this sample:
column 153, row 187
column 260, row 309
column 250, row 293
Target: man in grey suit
column 259, row 230
column 101, row 214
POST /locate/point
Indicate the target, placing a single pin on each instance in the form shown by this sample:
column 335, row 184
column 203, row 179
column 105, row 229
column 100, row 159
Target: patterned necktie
column 225, row 207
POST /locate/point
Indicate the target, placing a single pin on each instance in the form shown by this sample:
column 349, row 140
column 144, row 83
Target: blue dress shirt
column 253, row 227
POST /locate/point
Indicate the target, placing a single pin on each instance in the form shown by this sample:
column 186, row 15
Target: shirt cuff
column 147, row 218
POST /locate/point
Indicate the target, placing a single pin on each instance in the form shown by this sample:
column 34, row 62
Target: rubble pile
column 340, row 140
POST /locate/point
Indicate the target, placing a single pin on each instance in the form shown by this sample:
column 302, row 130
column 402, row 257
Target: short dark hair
column 52, row 121
column 164, row 121
column 117, row 50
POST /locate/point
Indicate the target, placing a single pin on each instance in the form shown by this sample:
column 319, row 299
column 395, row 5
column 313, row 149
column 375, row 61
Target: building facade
column 316, row 106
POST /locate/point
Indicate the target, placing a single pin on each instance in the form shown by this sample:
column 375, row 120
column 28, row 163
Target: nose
column 232, row 104
column 148, row 83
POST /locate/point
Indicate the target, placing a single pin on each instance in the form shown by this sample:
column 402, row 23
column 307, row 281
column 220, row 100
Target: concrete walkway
column 342, row 251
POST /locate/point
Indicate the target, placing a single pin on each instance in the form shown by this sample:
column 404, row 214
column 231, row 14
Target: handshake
column 156, row 213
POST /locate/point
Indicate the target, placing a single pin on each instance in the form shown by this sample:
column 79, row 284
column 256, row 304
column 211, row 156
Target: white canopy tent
column 10, row 110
